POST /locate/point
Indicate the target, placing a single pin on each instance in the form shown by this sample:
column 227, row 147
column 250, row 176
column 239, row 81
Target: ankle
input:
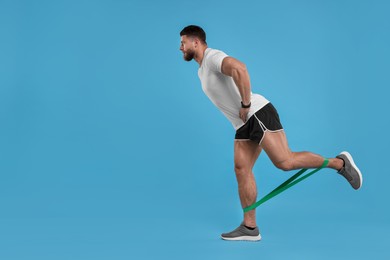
column 336, row 164
column 250, row 224
column 250, row 227
column 341, row 164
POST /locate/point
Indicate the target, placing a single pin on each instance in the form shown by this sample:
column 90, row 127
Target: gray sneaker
column 350, row 171
column 242, row 233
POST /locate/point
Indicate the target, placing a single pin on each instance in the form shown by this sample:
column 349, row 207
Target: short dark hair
column 194, row 31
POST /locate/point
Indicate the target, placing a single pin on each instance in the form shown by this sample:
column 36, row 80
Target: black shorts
column 265, row 119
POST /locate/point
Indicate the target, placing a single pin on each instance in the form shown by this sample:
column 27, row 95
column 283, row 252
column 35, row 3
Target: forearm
column 242, row 80
column 237, row 70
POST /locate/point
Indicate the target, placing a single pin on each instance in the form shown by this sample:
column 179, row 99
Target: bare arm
column 237, row 70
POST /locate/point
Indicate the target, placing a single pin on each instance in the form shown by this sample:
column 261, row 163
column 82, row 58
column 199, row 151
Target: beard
column 189, row 55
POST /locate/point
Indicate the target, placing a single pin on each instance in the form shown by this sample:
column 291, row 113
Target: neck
column 200, row 54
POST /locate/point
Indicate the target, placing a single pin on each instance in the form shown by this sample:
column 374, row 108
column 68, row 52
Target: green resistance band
column 285, row 185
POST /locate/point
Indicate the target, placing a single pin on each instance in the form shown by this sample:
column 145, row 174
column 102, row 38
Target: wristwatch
column 246, row 106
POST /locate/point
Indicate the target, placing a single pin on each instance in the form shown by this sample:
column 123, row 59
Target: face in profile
column 187, row 48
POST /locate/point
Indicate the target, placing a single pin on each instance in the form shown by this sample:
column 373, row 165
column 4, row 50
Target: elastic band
column 286, row 185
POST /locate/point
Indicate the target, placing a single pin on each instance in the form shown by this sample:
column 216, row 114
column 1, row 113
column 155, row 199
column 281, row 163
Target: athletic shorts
column 265, row 119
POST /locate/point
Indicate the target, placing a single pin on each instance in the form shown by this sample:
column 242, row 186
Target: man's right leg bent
column 276, row 147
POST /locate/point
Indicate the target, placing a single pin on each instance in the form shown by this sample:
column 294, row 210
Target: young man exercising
column 225, row 80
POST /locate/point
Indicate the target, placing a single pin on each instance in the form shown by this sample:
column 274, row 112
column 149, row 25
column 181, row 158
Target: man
column 225, row 80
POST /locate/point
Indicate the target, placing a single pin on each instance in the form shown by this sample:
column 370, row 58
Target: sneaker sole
column 355, row 167
column 243, row 238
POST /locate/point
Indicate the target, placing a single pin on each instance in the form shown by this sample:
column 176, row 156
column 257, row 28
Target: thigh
column 276, row 146
column 246, row 153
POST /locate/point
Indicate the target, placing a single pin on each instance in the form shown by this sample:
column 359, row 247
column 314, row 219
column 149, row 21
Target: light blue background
column 110, row 150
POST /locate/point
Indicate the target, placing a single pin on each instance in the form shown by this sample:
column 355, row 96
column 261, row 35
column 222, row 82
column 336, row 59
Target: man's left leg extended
column 245, row 156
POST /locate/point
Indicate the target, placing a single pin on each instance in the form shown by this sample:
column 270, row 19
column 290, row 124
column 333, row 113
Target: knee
column 285, row 165
column 241, row 169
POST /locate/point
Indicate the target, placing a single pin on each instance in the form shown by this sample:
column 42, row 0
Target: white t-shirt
column 222, row 90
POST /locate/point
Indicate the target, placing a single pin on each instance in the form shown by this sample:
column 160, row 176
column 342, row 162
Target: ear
column 196, row 41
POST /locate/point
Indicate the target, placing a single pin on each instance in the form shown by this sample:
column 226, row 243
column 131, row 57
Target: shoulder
column 213, row 59
column 212, row 53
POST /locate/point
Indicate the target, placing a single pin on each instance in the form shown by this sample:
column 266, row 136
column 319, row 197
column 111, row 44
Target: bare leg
column 276, row 146
column 245, row 156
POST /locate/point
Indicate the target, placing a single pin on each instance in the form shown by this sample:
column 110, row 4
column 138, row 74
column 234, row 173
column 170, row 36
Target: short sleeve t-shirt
column 222, row 90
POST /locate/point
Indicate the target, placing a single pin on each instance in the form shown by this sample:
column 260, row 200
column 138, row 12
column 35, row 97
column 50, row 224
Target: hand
column 244, row 114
